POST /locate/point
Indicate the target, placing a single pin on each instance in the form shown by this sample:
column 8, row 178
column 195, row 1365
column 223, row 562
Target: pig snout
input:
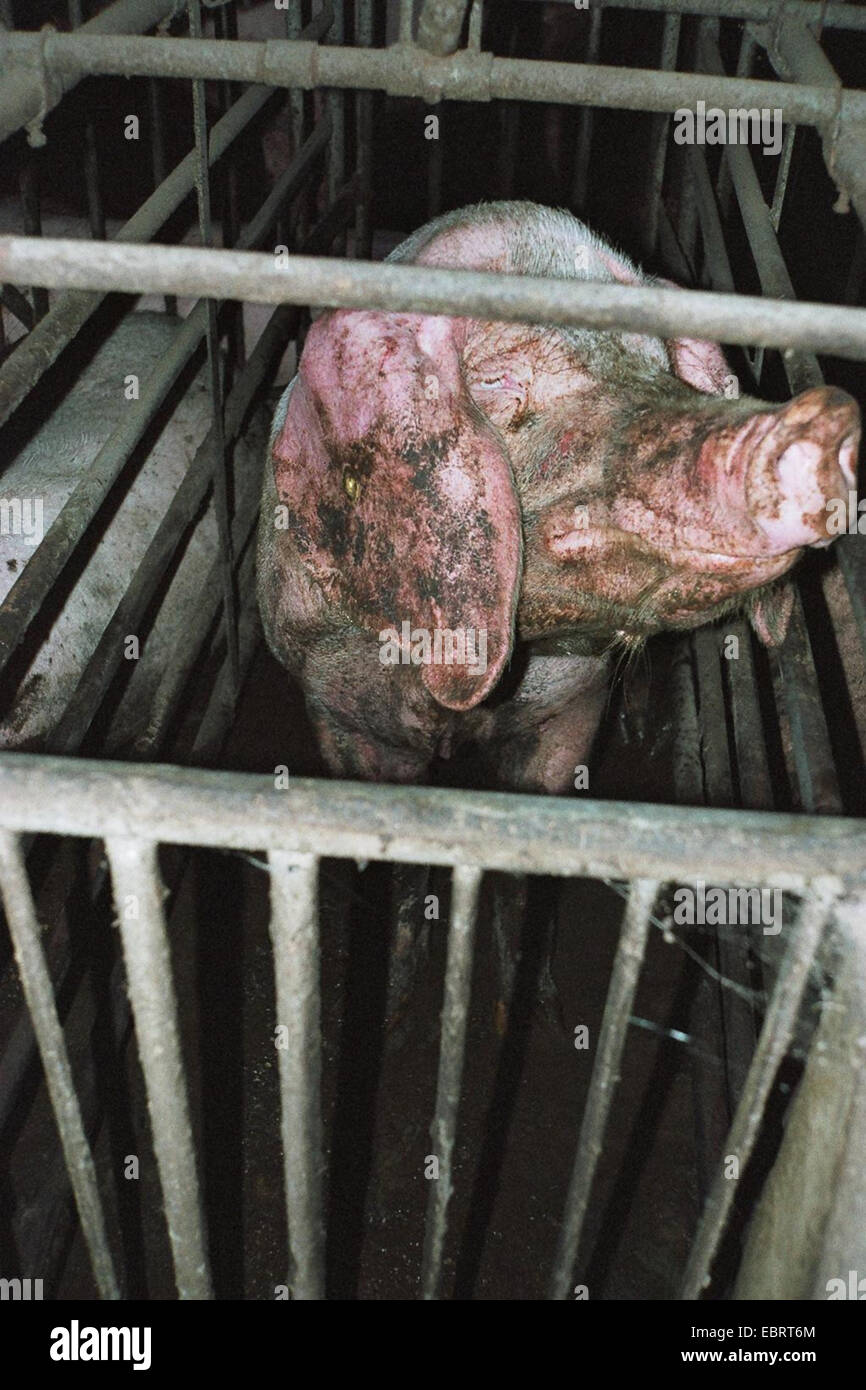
column 805, row 461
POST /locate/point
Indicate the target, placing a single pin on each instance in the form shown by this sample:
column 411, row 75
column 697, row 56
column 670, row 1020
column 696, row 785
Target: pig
column 548, row 497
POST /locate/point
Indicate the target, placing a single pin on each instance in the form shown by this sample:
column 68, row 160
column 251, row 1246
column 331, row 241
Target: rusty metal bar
column 138, row 895
column 452, row 1042
column 59, row 262
column 605, row 1074
column 294, row 930
column 407, row 70
column 29, row 592
column 31, row 90
column 440, row 25
column 773, row 1043
column 25, row 931
column 426, row 825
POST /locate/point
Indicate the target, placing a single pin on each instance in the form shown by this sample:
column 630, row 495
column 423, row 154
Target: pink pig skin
column 567, row 492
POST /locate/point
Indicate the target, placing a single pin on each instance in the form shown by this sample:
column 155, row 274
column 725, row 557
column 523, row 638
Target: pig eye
column 351, row 486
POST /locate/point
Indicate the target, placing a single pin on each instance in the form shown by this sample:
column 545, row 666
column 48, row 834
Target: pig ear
column 399, row 494
column 770, row 612
column 703, row 366
column 700, row 363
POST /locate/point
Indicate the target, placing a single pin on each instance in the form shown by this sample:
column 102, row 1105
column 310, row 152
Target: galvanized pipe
column 452, row 1042
column 830, row 16
column 24, row 368
column 31, row 589
column 58, row 263
column 32, row 89
column 25, row 931
column 407, row 70
column 138, row 895
column 773, row 1043
column 618, row 1009
column 294, row 928
column 426, row 825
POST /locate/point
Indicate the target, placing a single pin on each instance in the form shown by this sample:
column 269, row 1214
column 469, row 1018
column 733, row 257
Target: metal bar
column 796, row 48
column 36, row 984
column 336, row 104
column 580, row 180
column 108, row 654
column 294, row 929
column 29, row 592
column 717, row 266
column 30, row 92
column 605, row 1074
column 440, row 25
column 364, row 139
column 59, row 262
column 407, row 70
column 220, row 462
column 813, row 754
column 404, row 31
column 659, row 135
column 426, row 825
column 452, row 1042
column 138, row 895
column 832, row 16
column 95, row 213
column 31, row 216
column 775, row 1038
column 43, row 346
column 801, row 368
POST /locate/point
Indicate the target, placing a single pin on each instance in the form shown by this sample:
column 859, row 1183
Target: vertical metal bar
column 434, row 170
column 138, row 897
column 337, row 110
column 364, row 138
column 294, row 930
column 226, row 24
column 614, row 1027
column 775, row 1037
column 221, row 462
column 36, row 984
column 157, row 154
column 406, row 17
column 580, row 181
column 95, row 213
column 31, row 212
column 659, row 135
column 455, row 1009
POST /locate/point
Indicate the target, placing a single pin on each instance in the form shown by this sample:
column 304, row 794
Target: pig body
column 523, row 501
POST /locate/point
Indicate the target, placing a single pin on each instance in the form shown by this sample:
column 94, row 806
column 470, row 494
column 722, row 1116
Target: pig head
column 462, row 521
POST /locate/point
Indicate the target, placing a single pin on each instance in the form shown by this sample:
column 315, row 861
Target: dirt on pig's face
column 648, row 504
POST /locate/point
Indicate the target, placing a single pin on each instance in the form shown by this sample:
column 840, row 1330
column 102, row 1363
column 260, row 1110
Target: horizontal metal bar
column 27, row 595
column 36, row 984
column 759, row 11
column 407, row 70
column 455, row 1010
column 775, row 1037
column 25, row 366
column 425, row 825
column 29, row 92
column 295, row 936
column 618, row 1010
column 329, row 283
column 138, row 895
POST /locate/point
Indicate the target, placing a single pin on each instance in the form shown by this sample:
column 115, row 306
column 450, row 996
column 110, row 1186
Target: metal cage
column 734, row 828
